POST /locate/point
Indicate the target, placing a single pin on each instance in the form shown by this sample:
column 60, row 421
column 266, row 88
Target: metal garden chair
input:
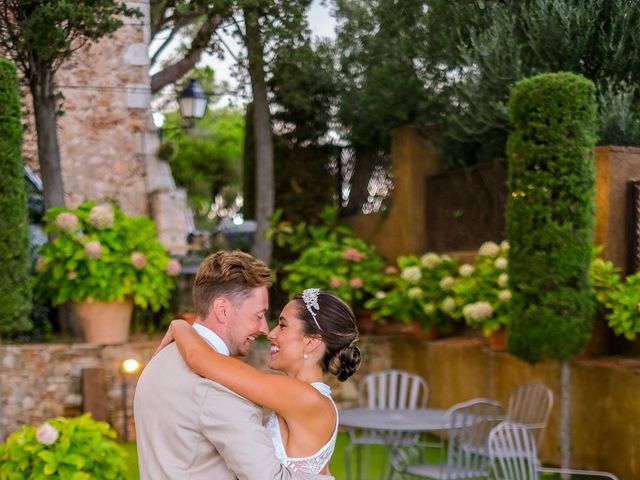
column 386, row 390
column 514, row 456
column 530, row 404
column 465, row 449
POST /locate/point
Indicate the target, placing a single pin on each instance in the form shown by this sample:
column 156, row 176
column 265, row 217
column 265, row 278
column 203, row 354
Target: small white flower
column 430, row 260
column 447, row 283
column 501, row 263
column 411, row 274
column 504, row 295
column 448, row 304
column 503, row 280
column 466, row 270
column 475, row 312
column 428, row 308
column 101, row 216
column 380, row 294
column 504, row 245
column 414, row 292
column 489, row 249
column 46, row 434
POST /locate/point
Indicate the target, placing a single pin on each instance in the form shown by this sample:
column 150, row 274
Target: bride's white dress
column 314, row 463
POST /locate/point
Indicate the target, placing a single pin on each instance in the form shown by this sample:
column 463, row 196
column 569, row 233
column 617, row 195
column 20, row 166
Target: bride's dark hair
column 338, row 331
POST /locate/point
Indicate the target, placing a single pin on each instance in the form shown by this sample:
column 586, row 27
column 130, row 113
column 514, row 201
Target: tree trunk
column 565, row 415
column 265, row 195
column 44, row 108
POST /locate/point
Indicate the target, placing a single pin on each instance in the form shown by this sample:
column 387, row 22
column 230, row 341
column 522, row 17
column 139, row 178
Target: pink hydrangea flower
column 46, row 434
column 67, row 221
column 356, row 282
column 391, row 270
column 335, row 282
column 101, row 216
column 138, row 260
column 173, row 268
column 93, row 249
column 352, row 254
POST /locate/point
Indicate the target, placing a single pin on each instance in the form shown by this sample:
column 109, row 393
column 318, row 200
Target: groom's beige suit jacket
column 188, row 427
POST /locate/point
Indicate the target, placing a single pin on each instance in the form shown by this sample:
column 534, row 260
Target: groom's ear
column 220, row 309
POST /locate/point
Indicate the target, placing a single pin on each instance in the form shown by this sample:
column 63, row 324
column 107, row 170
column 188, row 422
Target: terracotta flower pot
column 498, row 340
column 104, row 323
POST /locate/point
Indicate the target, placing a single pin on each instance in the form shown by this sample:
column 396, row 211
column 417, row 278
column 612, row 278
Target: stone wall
column 107, row 139
column 40, row 381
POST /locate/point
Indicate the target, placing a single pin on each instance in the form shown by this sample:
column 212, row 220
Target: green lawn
column 377, row 461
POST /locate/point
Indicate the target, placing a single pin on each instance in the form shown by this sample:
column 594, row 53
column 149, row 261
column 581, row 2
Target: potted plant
column 99, row 258
column 78, row 447
column 418, row 291
column 482, row 293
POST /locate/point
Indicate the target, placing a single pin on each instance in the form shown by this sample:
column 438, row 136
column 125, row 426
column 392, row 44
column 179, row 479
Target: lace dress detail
column 314, row 463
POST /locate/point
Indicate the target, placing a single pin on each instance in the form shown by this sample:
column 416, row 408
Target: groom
column 190, row 427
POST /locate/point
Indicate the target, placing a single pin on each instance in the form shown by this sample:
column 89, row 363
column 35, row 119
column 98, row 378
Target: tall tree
column 40, row 35
column 15, row 292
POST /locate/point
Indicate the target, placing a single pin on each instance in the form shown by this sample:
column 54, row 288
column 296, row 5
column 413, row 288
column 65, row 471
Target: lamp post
column 193, row 101
column 193, row 104
column 128, row 367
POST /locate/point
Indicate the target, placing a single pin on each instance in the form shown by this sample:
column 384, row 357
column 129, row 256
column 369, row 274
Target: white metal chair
column 466, row 445
column 386, row 390
column 530, row 404
column 514, row 456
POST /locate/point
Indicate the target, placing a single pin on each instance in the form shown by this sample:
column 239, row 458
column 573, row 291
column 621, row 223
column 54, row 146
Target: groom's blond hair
column 227, row 273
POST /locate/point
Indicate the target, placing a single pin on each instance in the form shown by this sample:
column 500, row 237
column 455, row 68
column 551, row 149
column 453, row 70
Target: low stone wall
column 41, row 381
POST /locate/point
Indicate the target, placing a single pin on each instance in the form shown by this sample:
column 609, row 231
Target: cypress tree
column 550, row 214
column 15, row 292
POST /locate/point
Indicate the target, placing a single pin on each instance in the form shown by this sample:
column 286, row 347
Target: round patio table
column 418, row 420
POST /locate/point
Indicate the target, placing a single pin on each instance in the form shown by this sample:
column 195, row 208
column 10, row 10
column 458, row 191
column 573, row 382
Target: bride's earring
column 306, row 355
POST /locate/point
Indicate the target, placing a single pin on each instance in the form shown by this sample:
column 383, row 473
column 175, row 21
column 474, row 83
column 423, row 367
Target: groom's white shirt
column 212, row 338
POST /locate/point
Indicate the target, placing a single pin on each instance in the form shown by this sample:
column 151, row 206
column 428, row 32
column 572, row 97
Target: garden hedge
column 550, row 214
column 15, row 293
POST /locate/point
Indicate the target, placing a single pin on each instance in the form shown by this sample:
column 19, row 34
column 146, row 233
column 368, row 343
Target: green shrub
column 482, row 290
column 421, row 290
column 15, row 293
column 77, row 448
column 550, row 214
column 329, row 257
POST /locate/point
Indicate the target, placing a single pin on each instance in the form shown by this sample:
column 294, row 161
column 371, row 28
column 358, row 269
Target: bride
column 316, row 333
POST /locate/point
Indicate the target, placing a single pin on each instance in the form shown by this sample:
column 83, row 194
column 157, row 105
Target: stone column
column 401, row 229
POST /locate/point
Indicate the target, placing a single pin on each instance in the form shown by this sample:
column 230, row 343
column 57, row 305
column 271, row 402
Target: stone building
column 108, row 142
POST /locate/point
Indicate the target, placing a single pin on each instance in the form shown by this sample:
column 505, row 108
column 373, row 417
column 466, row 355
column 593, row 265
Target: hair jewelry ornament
column 310, row 299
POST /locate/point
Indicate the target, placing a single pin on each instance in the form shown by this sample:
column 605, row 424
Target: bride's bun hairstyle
column 333, row 320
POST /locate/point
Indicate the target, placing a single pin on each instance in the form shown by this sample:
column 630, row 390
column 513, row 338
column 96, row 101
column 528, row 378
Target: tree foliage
column 15, row 293
column 550, row 215
column 595, row 39
column 206, row 159
column 40, row 36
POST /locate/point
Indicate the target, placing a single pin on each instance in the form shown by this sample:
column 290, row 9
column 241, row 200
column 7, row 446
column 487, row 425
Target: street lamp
column 193, row 101
column 128, row 367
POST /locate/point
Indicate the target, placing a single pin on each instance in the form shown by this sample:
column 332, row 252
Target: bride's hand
column 168, row 337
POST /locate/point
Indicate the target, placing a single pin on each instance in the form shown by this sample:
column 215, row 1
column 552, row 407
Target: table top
column 421, row 419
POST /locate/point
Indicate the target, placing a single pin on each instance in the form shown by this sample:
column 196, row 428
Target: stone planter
column 104, row 323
